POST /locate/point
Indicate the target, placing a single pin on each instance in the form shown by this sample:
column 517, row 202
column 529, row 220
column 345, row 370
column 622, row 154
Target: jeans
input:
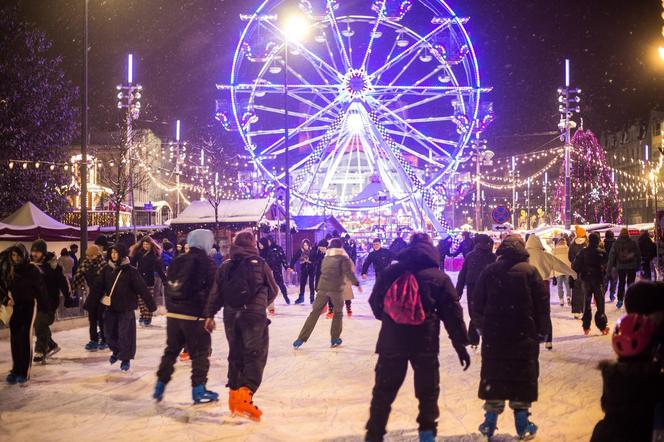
column 307, row 275
column 322, row 298
column 497, row 406
column 594, row 288
column 611, row 282
column 625, row 279
column 563, row 283
column 279, row 278
column 96, row 323
column 248, row 342
column 120, row 331
column 189, row 334
column 473, row 334
column 43, row 323
column 390, row 374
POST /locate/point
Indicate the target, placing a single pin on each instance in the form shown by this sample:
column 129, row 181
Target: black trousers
column 390, row 373
column 307, row 275
column 248, row 342
column 279, row 278
column 645, row 266
column 578, row 298
column 120, row 331
column 192, row 334
column 625, row 279
column 96, row 323
column 473, row 334
column 43, row 323
column 594, row 288
column 20, row 335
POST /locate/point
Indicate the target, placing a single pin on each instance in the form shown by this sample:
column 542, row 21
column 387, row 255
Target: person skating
column 350, row 246
column 73, row 251
column 444, row 249
column 317, row 261
column 87, row 278
column 397, row 245
column 465, row 246
column 561, row 251
column 25, row 283
column 648, row 252
column 401, row 341
column 274, row 256
column 513, row 314
column 145, row 255
column 379, row 257
column 244, row 287
column 304, row 257
column 611, row 280
column 336, row 267
column 578, row 298
column 121, row 286
column 188, row 283
column 348, row 296
column 625, row 257
column 590, row 265
column 476, row 261
column 56, row 283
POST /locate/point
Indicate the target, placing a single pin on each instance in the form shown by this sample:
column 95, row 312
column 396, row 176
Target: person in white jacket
column 561, row 251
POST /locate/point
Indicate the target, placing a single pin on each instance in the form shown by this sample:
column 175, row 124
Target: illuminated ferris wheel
column 380, row 99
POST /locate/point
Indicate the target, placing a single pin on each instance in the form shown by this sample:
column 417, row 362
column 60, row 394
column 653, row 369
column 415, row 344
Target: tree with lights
column 38, row 119
column 594, row 197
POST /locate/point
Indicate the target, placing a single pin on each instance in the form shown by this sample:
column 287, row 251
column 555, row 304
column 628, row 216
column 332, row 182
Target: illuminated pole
column 568, row 188
column 177, row 168
column 84, row 137
column 546, row 193
column 286, row 153
column 514, row 192
column 478, row 209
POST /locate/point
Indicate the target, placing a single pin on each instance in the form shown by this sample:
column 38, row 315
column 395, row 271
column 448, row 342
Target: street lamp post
column 84, row 136
column 568, row 103
column 177, row 168
column 286, row 153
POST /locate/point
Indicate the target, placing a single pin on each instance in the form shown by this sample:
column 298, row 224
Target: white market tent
column 30, row 222
column 250, row 211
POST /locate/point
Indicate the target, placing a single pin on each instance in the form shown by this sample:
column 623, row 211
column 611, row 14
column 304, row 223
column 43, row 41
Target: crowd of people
column 507, row 284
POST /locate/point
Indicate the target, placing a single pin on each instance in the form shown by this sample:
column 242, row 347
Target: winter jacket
column 336, row 266
column 397, row 246
column 201, row 281
column 608, row 244
column 590, row 264
column 317, row 260
column 55, row 281
column 625, row 254
column 88, row 274
column 380, row 259
column 266, row 286
column 274, row 256
column 577, row 245
column 351, row 250
column 511, row 311
column 129, row 287
column 147, row 264
column 546, row 263
column 465, row 247
column 444, row 247
column 475, row 262
column 27, row 285
column 302, row 256
column 647, row 248
column 629, row 393
column 166, row 258
column 67, row 264
column 439, row 300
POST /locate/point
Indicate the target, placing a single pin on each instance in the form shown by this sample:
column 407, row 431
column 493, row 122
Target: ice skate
column 158, row 394
column 335, row 343
column 524, row 428
column 606, row 331
column 349, row 312
column 91, row 346
column 11, row 379
column 329, row 315
column 619, row 304
column 113, row 359
column 300, row 299
column 586, row 331
column 39, row 357
column 22, row 381
column 53, row 349
column 102, row 346
column 184, row 356
column 124, row 366
column 245, row 405
column 287, row 299
column 298, row 343
column 488, row 427
column 201, row 395
column 232, row 400
column 427, row 436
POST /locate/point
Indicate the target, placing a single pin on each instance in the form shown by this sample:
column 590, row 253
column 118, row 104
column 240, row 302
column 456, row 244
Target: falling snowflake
column 594, row 195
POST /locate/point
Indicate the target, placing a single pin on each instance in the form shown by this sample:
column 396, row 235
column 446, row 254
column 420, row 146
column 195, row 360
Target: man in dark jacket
column 379, row 257
column 466, row 246
column 476, row 261
column 611, row 279
column 648, row 253
column 398, row 245
column 579, row 243
column 398, row 344
column 86, row 279
column 274, row 256
column 512, row 313
column 56, row 283
column 307, row 273
column 444, row 249
column 189, row 281
column 245, row 320
column 317, row 261
column 590, row 265
column 625, row 257
column 123, row 285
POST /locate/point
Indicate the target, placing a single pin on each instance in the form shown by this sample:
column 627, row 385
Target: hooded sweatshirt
column 546, row 264
column 336, row 266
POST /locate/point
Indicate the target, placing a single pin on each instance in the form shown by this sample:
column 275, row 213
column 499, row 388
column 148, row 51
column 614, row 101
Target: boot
column 184, row 356
column 334, row 343
column 300, row 299
column 427, row 436
column 92, row 346
column 311, row 299
column 287, row 299
column 233, row 400
column 488, row 427
column 245, row 405
column 159, row 388
column 201, row 395
column 525, row 429
column 298, row 343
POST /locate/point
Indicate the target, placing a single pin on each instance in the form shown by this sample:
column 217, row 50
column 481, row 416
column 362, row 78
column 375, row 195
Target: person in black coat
column 465, row 247
column 124, row 285
column 611, row 279
column 648, row 253
column 379, row 257
column 304, row 257
column 86, row 278
column 317, row 261
column 398, row 344
column 590, row 266
column 188, row 283
column 26, row 284
column 274, row 256
column 146, row 257
column 444, row 248
column 56, row 283
column 476, row 261
column 512, row 312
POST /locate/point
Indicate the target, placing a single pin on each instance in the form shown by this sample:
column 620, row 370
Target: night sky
column 182, row 47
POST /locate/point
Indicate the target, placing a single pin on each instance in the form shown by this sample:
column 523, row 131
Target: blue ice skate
column 158, row 394
column 203, row 396
column 525, row 429
column 336, row 343
column 298, row 343
column 488, row 427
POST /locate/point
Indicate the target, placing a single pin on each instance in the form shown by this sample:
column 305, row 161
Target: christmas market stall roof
column 249, row 211
column 29, row 222
column 316, row 222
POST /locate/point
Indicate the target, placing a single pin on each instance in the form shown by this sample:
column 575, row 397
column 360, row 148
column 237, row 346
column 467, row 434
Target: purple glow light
column 567, row 72
column 177, row 130
column 130, row 69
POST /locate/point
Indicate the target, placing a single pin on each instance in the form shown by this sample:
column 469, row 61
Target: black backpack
column 181, row 282
column 240, row 281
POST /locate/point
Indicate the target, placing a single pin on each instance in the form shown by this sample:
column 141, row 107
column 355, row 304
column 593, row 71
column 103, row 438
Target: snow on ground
column 313, row 394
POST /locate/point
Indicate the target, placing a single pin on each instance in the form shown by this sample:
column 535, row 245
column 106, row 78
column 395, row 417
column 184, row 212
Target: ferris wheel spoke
column 339, row 39
column 316, row 106
column 414, row 46
column 329, row 51
column 415, row 104
column 290, row 113
column 260, row 132
column 416, row 84
column 367, row 53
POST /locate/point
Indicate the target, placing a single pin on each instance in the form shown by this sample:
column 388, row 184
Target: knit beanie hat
column 102, row 242
column 580, row 231
column 39, row 246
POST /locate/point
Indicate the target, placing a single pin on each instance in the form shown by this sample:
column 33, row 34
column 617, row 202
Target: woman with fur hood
column 145, row 255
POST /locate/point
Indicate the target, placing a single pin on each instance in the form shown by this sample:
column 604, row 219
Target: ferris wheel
column 380, row 99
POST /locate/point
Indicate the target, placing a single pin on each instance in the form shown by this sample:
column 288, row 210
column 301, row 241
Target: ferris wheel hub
column 356, row 84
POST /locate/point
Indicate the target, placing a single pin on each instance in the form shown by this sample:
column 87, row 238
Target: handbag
column 6, row 311
column 106, row 300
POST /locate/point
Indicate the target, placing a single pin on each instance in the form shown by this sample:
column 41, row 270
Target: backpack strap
column 110, row 295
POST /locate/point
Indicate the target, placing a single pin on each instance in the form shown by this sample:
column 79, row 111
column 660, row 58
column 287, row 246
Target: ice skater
column 87, row 277
column 304, row 256
column 590, row 264
column 146, row 256
column 336, row 266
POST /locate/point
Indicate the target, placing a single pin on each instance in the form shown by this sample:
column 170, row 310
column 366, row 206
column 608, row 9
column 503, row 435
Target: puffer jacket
column 147, row 264
column 475, row 262
column 129, row 287
column 590, row 264
column 264, row 283
column 336, row 266
column 577, row 245
column 201, row 279
column 55, row 281
column 625, row 247
column 274, row 256
column 439, row 301
column 25, row 281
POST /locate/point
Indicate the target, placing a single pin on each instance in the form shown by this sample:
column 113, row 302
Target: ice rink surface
column 312, row 394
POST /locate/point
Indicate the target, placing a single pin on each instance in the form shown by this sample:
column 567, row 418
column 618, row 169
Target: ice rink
column 313, row 394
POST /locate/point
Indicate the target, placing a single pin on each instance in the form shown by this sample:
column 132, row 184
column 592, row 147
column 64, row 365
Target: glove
column 464, row 357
